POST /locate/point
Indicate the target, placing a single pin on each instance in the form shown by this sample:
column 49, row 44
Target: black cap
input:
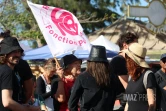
column 68, row 59
column 163, row 56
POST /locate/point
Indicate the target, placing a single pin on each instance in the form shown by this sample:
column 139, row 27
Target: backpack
column 144, row 78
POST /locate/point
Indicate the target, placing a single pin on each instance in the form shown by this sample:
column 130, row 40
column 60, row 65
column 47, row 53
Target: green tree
column 16, row 16
column 92, row 14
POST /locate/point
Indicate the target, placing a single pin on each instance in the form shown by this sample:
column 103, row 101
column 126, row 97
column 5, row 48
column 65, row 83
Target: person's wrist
column 61, row 76
column 26, row 105
column 60, row 79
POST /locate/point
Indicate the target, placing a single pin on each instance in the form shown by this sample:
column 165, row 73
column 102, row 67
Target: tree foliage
column 16, row 16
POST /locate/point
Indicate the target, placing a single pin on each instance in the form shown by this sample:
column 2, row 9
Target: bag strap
column 129, row 78
column 145, row 79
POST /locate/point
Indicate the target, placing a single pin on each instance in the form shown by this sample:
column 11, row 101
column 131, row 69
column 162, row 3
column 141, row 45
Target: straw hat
column 137, row 53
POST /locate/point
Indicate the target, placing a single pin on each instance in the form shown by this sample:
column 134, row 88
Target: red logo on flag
column 64, row 21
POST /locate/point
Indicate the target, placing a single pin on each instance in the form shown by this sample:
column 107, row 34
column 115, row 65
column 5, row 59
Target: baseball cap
column 163, row 56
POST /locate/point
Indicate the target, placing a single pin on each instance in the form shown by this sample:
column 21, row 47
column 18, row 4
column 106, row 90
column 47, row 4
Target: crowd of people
column 63, row 87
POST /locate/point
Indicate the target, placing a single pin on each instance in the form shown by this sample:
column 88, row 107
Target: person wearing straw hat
column 11, row 90
column 94, row 88
column 161, row 84
column 118, row 65
column 141, row 89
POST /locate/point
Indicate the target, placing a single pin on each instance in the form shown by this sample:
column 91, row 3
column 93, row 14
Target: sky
column 143, row 3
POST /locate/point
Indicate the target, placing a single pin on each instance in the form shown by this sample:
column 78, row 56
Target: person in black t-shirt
column 118, row 64
column 11, row 53
column 141, row 89
column 161, row 83
column 24, row 72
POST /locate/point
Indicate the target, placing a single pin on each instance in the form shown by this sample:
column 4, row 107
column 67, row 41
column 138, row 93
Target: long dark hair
column 100, row 71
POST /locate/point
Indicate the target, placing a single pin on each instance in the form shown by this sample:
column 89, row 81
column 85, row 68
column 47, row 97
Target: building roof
column 146, row 38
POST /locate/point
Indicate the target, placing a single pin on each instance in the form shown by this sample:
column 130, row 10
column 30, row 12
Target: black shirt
column 41, row 87
column 41, row 90
column 91, row 96
column 22, row 72
column 161, row 93
column 118, row 67
column 5, row 82
column 136, row 94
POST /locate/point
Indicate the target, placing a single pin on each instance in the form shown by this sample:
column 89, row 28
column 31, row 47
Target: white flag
column 60, row 28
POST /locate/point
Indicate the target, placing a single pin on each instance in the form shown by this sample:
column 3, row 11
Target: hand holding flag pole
column 57, row 63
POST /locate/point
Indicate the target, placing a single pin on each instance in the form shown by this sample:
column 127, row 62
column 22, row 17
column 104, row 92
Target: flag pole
column 57, row 63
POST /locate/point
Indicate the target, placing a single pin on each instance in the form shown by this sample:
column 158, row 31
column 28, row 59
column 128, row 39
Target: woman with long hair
column 141, row 89
column 94, row 89
column 44, row 83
